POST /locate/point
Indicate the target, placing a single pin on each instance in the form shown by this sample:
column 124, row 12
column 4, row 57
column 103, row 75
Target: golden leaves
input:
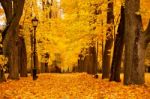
column 74, row 31
column 71, row 86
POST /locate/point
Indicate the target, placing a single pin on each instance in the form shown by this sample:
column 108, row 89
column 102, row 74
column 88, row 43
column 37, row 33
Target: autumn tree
column 13, row 10
column 109, row 41
column 22, row 56
column 136, row 41
column 118, row 49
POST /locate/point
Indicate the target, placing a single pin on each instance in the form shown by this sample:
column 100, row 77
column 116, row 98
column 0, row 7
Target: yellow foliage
column 71, row 26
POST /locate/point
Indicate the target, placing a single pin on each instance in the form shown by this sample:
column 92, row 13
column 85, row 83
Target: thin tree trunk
column 79, row 65
column 82, row 65
column 118, row 50
column 109, row 43
column 85, row 63
column 50, row 11
column 46, row 67
column 88, row 63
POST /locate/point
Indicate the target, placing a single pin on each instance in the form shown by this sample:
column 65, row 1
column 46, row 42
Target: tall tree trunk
column 8, row 12
column 13, row 56
column 135, row 44
column 118, row 49
column 13, row 10
column 92, row 63
column 22, row 57
column 109, row 42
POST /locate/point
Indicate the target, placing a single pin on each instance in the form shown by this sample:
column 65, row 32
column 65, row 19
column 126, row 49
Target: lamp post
column 34, row 24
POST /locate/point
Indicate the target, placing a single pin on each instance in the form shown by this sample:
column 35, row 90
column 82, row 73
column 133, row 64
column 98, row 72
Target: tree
column 22, row 57
column 118, row 50
column 80, row 62
column 109, row 42
column 13, row 10
column 136, row 41
column 93, row 60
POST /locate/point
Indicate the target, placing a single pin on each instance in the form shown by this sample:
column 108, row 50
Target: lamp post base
column 35, row 74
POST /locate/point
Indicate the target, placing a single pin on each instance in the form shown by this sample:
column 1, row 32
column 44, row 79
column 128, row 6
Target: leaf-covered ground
column 71, row 86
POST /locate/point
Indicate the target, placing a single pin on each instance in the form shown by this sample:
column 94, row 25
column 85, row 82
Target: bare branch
column 12, row 18
column 7, row 6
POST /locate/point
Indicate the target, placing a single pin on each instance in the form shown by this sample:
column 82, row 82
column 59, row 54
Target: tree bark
column 147, row 35
column 85, row 62
column 90, row 61
column 8, row 10
column 118, row 50
column 82, row 65
column 22, row 57
column 13, row 10
column 42, row 67
column 13, row 57
column 2, row 75
column 109, row 42
column 79, row 65
column 80, row 62
column 136, row 41
column 50, row 11
column 93, row 60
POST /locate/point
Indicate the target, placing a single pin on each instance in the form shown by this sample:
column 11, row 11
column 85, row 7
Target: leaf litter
column 70, row 86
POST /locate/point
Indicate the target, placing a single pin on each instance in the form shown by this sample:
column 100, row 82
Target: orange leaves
column 71, row 86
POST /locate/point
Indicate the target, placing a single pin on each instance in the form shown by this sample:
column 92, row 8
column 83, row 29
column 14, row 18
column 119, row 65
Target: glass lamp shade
column 34, row 22
column 82, row 58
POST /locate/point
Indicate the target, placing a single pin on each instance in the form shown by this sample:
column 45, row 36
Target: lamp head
column 35, row 22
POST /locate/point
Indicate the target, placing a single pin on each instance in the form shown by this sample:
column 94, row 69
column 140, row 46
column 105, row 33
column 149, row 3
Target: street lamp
column 34, row 24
